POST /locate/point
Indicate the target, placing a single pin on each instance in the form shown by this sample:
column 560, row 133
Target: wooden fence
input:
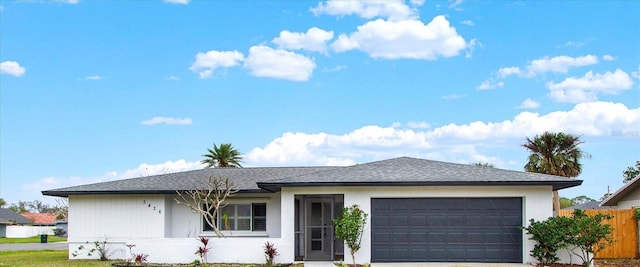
column 625, row 233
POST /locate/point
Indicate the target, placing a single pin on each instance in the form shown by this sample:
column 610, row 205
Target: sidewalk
column 35, row 246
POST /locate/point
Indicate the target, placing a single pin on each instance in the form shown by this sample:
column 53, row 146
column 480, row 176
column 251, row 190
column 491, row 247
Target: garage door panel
column 447, row 230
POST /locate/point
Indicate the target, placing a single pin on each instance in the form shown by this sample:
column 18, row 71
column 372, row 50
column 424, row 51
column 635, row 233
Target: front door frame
column 326, row 238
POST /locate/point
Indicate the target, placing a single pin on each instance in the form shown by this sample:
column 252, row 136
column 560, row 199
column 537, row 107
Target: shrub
column 99, row 247
column 270, row 252
column 203, row 250
column 586, row 233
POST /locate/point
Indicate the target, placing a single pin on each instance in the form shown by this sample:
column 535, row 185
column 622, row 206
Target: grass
column 45, row 258
column 59, row 258
column 33, row 239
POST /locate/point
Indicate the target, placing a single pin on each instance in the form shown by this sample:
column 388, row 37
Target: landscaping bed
column 617, row 263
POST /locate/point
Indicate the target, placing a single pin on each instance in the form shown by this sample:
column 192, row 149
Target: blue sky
column 102, row 90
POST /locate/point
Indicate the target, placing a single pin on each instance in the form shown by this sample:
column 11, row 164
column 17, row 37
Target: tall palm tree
column 555, row 154
column 224, row 156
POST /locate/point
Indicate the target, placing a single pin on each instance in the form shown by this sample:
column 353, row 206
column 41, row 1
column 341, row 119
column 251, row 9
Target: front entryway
column 315, row 239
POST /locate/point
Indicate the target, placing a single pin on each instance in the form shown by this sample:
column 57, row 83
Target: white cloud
column 559, row 64
column 207, row 63
column 264, row 61
column 368, row 9
column 508, row 71
column 314, row 39
column 173, row 78
column 588, row 87
column 183, row 2
column 93, row 78
column 12, row 68
column 467, row 22
column 453, row 142
column 570, row 44
column 455, row 4
column 167, row 121
column 529, row 104
column 404, row 39
column 489, row 84
column 608, row 58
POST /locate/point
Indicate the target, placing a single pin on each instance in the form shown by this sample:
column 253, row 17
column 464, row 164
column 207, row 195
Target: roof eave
column 59, row 193
column 557, row 185
column 613, row 199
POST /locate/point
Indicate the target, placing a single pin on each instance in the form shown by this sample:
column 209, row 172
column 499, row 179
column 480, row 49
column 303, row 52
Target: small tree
column 208, row 199
column 350, row 227
column 631, row 172
column 589, row 234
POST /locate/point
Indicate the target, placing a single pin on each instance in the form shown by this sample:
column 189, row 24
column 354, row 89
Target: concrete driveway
column 35, row 246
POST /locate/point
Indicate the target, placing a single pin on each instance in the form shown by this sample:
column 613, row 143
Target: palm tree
column 555, row 154
column 225, row 156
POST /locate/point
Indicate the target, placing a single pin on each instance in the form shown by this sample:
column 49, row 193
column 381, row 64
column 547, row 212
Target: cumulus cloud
column 207, row 63
column 452, row 142
column 264, row 61
column 453, row 96
column 508, row 71
column 404, row 39
column 570, row 44
column 182, row 2
column 608, row 58
column 73, row 2
column 559, row 64
column 12, row 68
column 314, row 40
column 529, row 104
column 390, row 9
column 589, row 86
column 167, row 121
column 489, row 84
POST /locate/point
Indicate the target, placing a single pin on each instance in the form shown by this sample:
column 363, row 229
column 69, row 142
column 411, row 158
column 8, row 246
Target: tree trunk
column 556, row 203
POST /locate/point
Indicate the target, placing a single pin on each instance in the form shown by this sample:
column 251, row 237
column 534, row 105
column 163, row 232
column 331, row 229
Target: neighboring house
column 40, row 219
column 9, row 218
column 419, row 211
column 625, row 197
column 591, row 205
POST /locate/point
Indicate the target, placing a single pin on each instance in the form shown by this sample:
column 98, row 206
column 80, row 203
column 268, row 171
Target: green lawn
column 45, row 258
column 33, row 239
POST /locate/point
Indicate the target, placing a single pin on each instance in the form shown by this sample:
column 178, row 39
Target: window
column 241, row 217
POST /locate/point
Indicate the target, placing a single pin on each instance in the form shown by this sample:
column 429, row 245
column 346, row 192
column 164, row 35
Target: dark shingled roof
column 243, row 178
column 392, row 172
column 412, row 171
column 8, row 216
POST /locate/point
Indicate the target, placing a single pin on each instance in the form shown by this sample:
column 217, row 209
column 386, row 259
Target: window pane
column 259, row 210
column 244, row 210
column 259, row 224
column 244, row 224
column 229, row 210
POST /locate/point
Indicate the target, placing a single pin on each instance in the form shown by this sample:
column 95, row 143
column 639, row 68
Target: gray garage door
column 446, row 230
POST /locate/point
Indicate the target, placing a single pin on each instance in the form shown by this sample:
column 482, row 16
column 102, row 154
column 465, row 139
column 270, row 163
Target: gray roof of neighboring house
column 413, row 171
column 392, row 172
column 243, row 178
column 627, row 188
column 591, row 205
column 8, row 216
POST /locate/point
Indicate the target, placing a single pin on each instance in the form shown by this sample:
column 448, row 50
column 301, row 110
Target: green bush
column 586, row 233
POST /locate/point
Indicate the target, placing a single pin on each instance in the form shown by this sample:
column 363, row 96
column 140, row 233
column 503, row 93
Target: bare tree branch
column 208, row 199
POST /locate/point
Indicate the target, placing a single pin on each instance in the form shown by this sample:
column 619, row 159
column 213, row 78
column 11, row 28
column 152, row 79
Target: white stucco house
column 626, row 197
column 419, row 211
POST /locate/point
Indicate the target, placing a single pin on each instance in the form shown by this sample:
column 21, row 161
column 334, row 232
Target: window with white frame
column 241, row 217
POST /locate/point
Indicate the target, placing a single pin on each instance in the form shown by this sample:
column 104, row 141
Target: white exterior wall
column 22, row 231
column 630, row 200
column 168, row 234
column 537, row 203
